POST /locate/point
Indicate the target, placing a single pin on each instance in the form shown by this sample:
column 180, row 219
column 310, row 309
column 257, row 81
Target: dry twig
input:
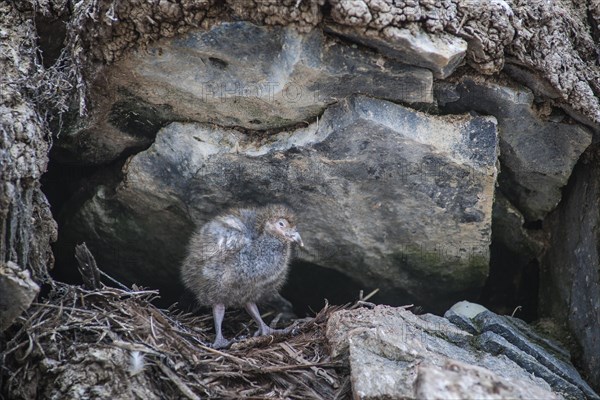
column 75, row 321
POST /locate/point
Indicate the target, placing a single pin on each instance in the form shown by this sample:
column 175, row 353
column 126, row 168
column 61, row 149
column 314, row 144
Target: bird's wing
column 224, row 236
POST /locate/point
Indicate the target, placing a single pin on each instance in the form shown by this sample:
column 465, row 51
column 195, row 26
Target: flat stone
column 462, row 313
column 468, row 309
column 537, row 155
column 463, row 322
column 394, row 198
column 496, row 345
column 546, row 353
column 441, row 52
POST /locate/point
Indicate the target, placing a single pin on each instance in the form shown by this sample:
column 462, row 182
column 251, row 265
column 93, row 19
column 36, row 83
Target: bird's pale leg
column 218, row 314
column 263, row 329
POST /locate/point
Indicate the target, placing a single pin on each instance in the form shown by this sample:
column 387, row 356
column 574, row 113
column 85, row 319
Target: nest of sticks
column 166, row 352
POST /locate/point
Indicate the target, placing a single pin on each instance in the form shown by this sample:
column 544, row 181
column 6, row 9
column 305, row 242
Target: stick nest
column 81, row 343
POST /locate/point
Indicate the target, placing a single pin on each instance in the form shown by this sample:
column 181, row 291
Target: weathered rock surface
column 537, row 154
column 102, row 372
column 26, row 225
column 441, row 53
column 515, row 339
column 395, row 354
column 395, row 198
column 561, row 49
column 532, row 36
column 510, row 232
column 235, row 75
column 570, row 279
column 17, row 291
column 514, row 261
column 456, row 380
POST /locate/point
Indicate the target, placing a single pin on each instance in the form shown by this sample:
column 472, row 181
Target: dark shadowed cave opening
column 510, row 287
column 307, row 287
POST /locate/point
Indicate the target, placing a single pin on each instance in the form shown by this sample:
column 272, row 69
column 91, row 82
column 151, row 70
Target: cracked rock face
column 389, row 196
column 537, row 153
column 234, row 75
column 440, row 53
column 393, row 353
column 571, row 281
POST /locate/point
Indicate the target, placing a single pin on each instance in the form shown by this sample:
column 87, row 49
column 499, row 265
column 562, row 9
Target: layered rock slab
column 234, row 75
column 441, row 53
column 392, row 197
column 512, row 337
column 393, row 353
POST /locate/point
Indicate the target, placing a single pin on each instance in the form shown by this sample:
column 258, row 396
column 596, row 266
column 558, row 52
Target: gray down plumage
column 233, row 259
column 239, row 257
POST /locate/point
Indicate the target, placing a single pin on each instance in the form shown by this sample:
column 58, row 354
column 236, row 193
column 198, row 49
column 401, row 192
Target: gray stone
column 463, row 322
column 537, row 155
column 378, row 376
column 468, row 309
column 394, row 198
column 516, row 340
column 456, row 380
column 395, row 354
column 234, row 75
column 462, row 313
column 516, row 247
column 542, row 88
column 509, row 231
column 546, row 359
column 570, row 284
column 17, row 291
column 496, row 345
column 441, row 52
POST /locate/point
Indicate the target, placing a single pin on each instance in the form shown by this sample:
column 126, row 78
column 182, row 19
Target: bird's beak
column 295, row 236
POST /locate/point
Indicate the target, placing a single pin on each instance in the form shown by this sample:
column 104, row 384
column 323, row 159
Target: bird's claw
column 220, row 343
column 267, row 330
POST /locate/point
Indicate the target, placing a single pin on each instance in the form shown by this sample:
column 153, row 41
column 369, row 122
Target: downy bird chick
column 239, row 257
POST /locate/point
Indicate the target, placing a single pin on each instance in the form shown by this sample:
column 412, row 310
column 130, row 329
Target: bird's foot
column 267, row 330
column 221, row 343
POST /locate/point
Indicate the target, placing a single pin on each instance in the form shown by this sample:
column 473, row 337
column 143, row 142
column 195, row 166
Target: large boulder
column 392, row 197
